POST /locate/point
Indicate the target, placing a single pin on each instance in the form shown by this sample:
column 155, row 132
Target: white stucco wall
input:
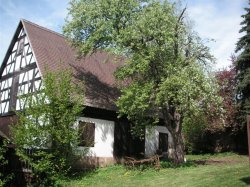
column 104, row 137
column 152, row 139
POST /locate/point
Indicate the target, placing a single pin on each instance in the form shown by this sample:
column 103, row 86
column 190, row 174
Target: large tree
column 163, row 78
column 243, row 66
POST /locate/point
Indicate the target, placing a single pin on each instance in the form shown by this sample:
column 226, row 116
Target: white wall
column 152, row 139
column 104, row 137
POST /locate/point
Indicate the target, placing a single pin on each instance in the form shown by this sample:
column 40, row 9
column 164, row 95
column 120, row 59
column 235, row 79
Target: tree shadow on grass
column 214, row 162
column 246, row 180
column 77, row 176
column 164, row 163
column 206, row 162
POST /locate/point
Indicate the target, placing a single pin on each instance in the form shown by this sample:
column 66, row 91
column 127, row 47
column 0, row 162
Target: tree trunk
column 175, row 147
column 175, row 140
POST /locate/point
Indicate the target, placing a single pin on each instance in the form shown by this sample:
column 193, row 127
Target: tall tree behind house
column 243, row 66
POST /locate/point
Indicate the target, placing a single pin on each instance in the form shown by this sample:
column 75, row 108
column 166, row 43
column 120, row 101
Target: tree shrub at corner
column 45, row 136
column 164, row 73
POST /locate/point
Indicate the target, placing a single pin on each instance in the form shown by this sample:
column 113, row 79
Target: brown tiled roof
column 52, row 51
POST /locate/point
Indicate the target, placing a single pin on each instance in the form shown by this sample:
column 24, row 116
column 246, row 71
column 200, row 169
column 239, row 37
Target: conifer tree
column 243, row 66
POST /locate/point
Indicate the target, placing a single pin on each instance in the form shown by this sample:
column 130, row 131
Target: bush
column 47, row 127
column 168, row 164
column 4, row 177
column 194, row 127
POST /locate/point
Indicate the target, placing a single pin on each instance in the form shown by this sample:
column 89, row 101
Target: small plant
column 165, row 163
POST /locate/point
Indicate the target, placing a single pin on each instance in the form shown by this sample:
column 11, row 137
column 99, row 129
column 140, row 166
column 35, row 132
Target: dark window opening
column 163, row 142
column 87, row 134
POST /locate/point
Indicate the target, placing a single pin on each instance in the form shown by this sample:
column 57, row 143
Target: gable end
column 19, row 73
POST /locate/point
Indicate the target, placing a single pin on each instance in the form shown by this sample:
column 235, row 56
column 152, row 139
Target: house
column 34, row 49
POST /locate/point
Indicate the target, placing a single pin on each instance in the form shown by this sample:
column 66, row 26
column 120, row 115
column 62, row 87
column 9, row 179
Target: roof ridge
column 41, row 27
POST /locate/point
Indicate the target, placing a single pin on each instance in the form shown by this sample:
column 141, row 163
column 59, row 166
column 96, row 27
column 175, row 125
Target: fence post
column 248, row 135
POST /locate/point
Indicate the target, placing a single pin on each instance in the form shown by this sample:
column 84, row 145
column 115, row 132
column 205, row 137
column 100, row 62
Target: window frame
column 83, row 139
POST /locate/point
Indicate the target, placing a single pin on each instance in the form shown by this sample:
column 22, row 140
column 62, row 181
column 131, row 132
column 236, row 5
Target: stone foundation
column 88, row 162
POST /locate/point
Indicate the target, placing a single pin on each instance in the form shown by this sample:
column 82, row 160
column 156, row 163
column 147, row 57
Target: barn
column 34, row 49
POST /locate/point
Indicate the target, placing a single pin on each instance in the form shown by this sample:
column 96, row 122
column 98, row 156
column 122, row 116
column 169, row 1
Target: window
column 163, row 142
column 87, row 134
column 20, row 46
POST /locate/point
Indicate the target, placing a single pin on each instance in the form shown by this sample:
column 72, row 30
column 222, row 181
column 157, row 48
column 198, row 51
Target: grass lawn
column 205, row 170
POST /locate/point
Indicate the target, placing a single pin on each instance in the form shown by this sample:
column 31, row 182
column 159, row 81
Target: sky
column 217, row 20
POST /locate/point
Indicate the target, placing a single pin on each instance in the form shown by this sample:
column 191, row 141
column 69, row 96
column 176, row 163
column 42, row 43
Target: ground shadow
column 246, row 180
column 79, row 175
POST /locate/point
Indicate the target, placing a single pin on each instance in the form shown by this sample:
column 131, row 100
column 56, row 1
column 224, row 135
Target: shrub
column 47, row 127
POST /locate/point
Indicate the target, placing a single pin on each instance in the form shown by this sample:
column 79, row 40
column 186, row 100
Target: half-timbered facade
column 19, row 74
column 35, row 50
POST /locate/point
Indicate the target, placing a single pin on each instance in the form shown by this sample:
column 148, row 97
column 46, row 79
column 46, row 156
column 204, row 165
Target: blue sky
column 212, row 19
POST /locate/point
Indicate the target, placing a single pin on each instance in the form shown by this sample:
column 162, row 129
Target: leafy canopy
column 164, row 70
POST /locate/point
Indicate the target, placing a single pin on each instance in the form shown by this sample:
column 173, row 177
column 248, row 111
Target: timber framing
column 34, row 51
column 19, row 73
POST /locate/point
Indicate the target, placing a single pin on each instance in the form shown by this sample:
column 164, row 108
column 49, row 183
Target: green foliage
column 46, row 136
column 165, row 63
column 97, row 23
column 4, row 177
column 243, row 68
column 194, row 127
